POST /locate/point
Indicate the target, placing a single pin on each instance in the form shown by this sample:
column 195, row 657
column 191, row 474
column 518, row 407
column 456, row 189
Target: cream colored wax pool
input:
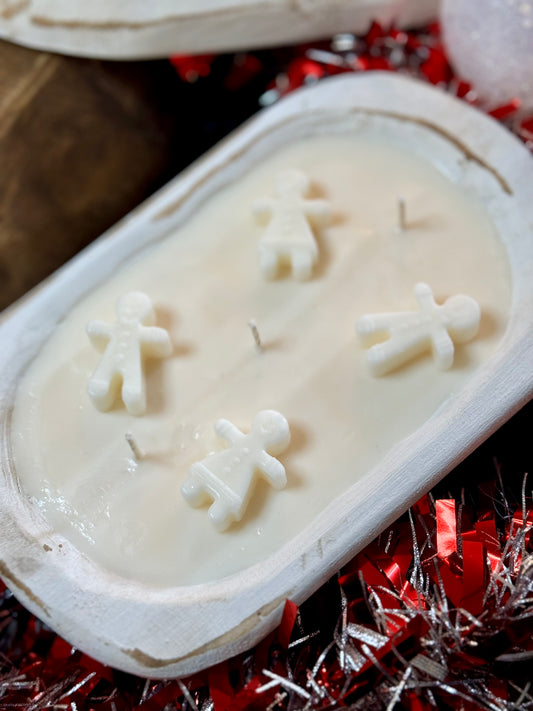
column 206, row 285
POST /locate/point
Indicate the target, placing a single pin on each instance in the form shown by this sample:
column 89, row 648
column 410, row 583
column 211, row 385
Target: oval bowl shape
column 162, row 631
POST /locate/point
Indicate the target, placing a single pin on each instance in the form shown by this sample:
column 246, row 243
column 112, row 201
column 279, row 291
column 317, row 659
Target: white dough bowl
column 136, row 29
column 164, row 632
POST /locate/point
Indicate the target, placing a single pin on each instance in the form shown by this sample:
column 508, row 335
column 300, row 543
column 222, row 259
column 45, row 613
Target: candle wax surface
column 205, row 283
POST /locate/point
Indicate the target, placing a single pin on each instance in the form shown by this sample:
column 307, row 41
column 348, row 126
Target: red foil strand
column 446, row 528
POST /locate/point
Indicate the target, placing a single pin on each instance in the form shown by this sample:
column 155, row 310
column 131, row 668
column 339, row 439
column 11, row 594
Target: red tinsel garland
column 420, row 54
column 434, row 614
column 427, row 616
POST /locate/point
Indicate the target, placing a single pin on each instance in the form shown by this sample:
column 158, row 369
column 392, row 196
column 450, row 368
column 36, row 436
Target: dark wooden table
column 82, row 142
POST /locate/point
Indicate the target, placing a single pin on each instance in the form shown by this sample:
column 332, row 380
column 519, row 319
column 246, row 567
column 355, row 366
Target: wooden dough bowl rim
column 177, row 631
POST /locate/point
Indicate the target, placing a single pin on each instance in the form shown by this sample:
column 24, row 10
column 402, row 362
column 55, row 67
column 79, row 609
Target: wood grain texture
column 81, row 143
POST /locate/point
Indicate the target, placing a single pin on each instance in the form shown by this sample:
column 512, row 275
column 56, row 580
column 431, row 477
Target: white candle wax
column 124, row 345
column 226, row 479
column 206, row 285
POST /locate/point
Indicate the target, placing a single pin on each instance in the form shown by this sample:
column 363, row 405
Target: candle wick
column 401, row 214
column 137, row 451
column 255, row 333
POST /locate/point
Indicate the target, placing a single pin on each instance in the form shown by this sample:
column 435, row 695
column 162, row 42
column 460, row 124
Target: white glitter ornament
column 490, row 44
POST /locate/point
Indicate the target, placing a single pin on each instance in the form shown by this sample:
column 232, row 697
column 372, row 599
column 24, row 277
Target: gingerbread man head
column 292, row 183
column 273, row 430
column 135, row 307
column 463, row 314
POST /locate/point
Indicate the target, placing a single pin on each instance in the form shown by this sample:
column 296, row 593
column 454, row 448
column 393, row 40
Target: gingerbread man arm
column 155, row 341
column 443, row 349
column 272, row 470
column 228, row 431
column 263, row 209
column 318, row 212
column 100, row 334
column 424, row 296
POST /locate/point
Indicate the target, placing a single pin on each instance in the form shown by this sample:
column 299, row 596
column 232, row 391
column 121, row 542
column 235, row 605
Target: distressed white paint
column 157, row 631
column 135, row 29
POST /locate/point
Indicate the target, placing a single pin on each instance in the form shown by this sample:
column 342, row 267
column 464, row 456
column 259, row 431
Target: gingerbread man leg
column 193, row 489
column 134, row 388
column 373, row 326
column 302, row 263
column 104, row 385
column 396, row 351
column 268, row 262
column 220, row 514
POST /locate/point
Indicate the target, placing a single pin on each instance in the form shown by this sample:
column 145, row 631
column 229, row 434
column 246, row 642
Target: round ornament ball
column 490, row 44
